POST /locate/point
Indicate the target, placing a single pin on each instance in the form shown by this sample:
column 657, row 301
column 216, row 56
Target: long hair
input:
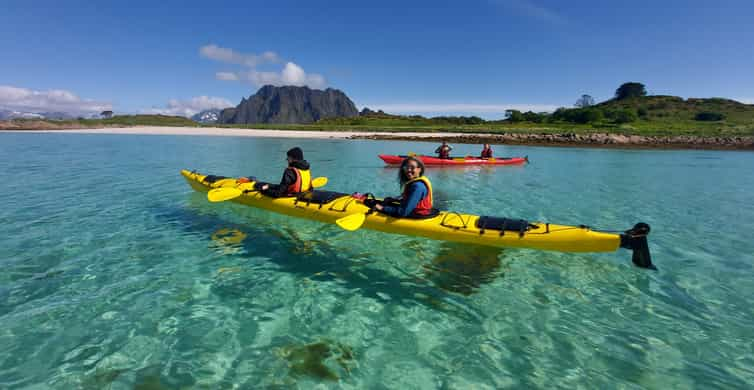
column 402, row 177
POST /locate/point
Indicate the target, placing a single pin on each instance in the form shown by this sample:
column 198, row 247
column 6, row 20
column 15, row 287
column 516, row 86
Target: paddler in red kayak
column 486, row 151
column 416, row 200
column 297, row 177
column 443, row 151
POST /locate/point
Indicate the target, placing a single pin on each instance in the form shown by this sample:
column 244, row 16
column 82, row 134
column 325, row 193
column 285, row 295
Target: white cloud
column 190, row 107
column 226, row 76
column 290, row 74
column 231, row 56
column 411, row 108
column 293, row 74
column 54, row 100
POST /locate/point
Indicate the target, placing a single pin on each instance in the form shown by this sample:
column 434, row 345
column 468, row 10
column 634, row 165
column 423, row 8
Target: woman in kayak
column 443, row 151
column 486, row 151
column 297, row 177
column 416, row 199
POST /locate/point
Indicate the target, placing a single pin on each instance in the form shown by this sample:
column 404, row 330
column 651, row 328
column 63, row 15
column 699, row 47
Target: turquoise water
column 117, row 275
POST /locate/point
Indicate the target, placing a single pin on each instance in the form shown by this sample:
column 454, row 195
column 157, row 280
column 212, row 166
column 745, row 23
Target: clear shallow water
column 112, row 277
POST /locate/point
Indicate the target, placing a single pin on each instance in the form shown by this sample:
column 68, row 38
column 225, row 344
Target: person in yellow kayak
column 443, row 151
column 297, row 177
column 416, row 200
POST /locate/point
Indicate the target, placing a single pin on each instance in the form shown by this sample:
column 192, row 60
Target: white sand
column 154, row 130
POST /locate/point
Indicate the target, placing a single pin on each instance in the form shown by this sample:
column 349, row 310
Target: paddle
column 227, row 193
column 354, row 221
column 351, row 222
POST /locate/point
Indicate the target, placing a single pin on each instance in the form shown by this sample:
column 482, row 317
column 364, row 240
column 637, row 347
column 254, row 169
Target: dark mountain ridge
column 289, row 104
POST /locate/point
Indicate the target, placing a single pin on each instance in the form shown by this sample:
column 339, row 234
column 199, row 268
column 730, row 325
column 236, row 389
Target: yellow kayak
column 345, row 209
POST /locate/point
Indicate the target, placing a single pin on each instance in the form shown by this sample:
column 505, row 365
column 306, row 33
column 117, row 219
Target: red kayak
column 468, row 160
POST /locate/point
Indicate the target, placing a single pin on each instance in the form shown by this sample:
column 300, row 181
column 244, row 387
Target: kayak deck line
column 330, row 206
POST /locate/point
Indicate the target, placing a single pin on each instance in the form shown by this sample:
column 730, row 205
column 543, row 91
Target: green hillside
column 116, row 121
column 672, row 114
column 642, row 115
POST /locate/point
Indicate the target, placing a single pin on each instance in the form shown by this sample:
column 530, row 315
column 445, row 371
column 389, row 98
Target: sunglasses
column 410, row 167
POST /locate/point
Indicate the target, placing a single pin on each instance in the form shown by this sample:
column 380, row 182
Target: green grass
column 144, row 120
column 121, row 120
column 640, row 127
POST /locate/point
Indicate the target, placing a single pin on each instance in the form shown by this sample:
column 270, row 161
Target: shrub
column 578, row 115
column 709, row 116
column 625, row 116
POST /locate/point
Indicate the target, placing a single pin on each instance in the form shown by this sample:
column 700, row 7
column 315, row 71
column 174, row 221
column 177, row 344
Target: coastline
column 598, row 140
column 234, row 132
column 595, row 140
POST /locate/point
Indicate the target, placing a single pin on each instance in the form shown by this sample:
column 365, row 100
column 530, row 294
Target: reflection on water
column 227, row 241
column 320, row 360
column 311, row 257
column 463, row 268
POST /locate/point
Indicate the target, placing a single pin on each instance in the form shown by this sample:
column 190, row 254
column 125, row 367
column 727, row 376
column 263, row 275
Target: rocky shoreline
column 600, row 140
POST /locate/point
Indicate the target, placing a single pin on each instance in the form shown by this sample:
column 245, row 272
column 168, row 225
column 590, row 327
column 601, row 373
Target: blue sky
column 425, row 57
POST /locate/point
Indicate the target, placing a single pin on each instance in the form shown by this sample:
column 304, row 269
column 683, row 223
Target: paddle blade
column 319, row 182
column 223, row 194
column 351, row 222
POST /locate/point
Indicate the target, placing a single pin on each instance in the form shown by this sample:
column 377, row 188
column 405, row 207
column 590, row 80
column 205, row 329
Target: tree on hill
column 630, row 90
column 584, row 101
column 514, row 116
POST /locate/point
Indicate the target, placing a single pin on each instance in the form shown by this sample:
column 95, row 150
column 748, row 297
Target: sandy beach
column 230, row 132
column 594, row 140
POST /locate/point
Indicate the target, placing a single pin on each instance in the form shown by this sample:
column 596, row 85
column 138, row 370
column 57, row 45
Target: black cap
column 296, row 154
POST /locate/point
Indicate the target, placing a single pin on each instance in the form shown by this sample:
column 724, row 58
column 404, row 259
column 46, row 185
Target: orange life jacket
column 303, row 181
column 424, row 207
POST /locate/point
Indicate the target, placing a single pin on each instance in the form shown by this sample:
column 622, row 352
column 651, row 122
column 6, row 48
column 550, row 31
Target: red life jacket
column 424, row 207
column 487, row 153
column 303, row 181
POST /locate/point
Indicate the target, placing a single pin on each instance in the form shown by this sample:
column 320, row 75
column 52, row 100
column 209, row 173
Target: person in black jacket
column 297, row 177
column 443, row 151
